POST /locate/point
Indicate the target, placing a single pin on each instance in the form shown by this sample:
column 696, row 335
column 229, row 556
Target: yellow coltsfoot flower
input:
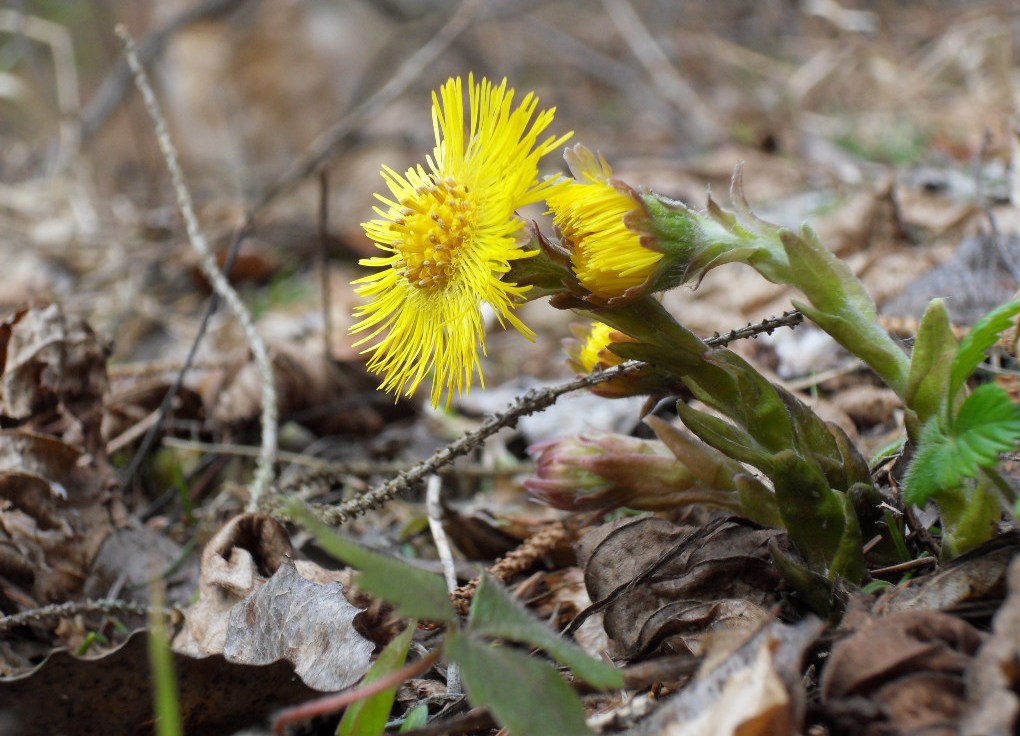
column 589, row 351
column 450, row 230
column 602, row 224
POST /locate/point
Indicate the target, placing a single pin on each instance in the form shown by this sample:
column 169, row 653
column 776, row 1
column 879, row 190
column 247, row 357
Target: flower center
column 434, row 226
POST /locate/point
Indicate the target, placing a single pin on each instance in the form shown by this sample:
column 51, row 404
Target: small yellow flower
column 590, row 351
column 594, row 216
column 450, row 230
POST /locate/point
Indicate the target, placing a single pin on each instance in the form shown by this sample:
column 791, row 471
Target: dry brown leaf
column 131, row 557
column 56, row 517
column 663, row 586
column 310, row 625
column 325, row 396
column 976, row 577
column 975, row 280
column 867, row 405
column 53, row 366
column 993, row 680
column 257, row 606
column 242, row 555
column 756, row 691
column 910, row 664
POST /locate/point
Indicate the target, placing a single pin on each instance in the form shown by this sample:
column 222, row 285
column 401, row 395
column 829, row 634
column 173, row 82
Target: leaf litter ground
column 885, row 129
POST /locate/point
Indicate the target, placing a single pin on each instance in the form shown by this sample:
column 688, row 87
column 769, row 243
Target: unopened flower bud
column 606, row 471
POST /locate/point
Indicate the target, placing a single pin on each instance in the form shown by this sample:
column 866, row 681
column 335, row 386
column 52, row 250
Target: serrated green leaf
column 988, row 404
column 495, row 614
column 416, row 593
column 933, row 468
column 525, row 695
column 972, row 350
column 368, row 717
column 934, row 352
column 987, row 425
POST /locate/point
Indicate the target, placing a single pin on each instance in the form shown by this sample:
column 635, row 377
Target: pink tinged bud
column 604, row 471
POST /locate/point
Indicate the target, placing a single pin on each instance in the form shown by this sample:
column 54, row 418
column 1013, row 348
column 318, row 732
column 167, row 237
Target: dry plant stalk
column 264, row 466
column 107, row 606
column 506, row 568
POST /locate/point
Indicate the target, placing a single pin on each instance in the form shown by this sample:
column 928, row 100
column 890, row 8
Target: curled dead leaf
column 993, row 680
column 910, row 664
column 55, row 519
column 755, row 691
column 978, row 577
column 53, row 367
column 663, row 586
column 258, row 606
column 241, row 556
column 309, row 624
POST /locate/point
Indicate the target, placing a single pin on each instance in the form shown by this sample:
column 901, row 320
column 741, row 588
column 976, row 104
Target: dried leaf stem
column 533, row 401
column 264, row 464
column 534, row 548
column 107, row 606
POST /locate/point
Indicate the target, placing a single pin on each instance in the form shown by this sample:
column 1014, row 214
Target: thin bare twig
column 164, row 407
column 533, row 401
column 264, row 466
column 107, row 606
column 434, row 508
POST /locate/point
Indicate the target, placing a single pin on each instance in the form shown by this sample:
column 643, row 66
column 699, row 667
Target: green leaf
column 972, row 350
column 974, row 521
column 415, row 593
column 933, row 469
column 417, row 717
column 368, row 717
column 826, row 280
column 495, row 614
column 817, row 518
column 725, row 437
column 526, row 695
column 934, row 352
column 758, row 502
column 759, row 408
column 987, row 425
